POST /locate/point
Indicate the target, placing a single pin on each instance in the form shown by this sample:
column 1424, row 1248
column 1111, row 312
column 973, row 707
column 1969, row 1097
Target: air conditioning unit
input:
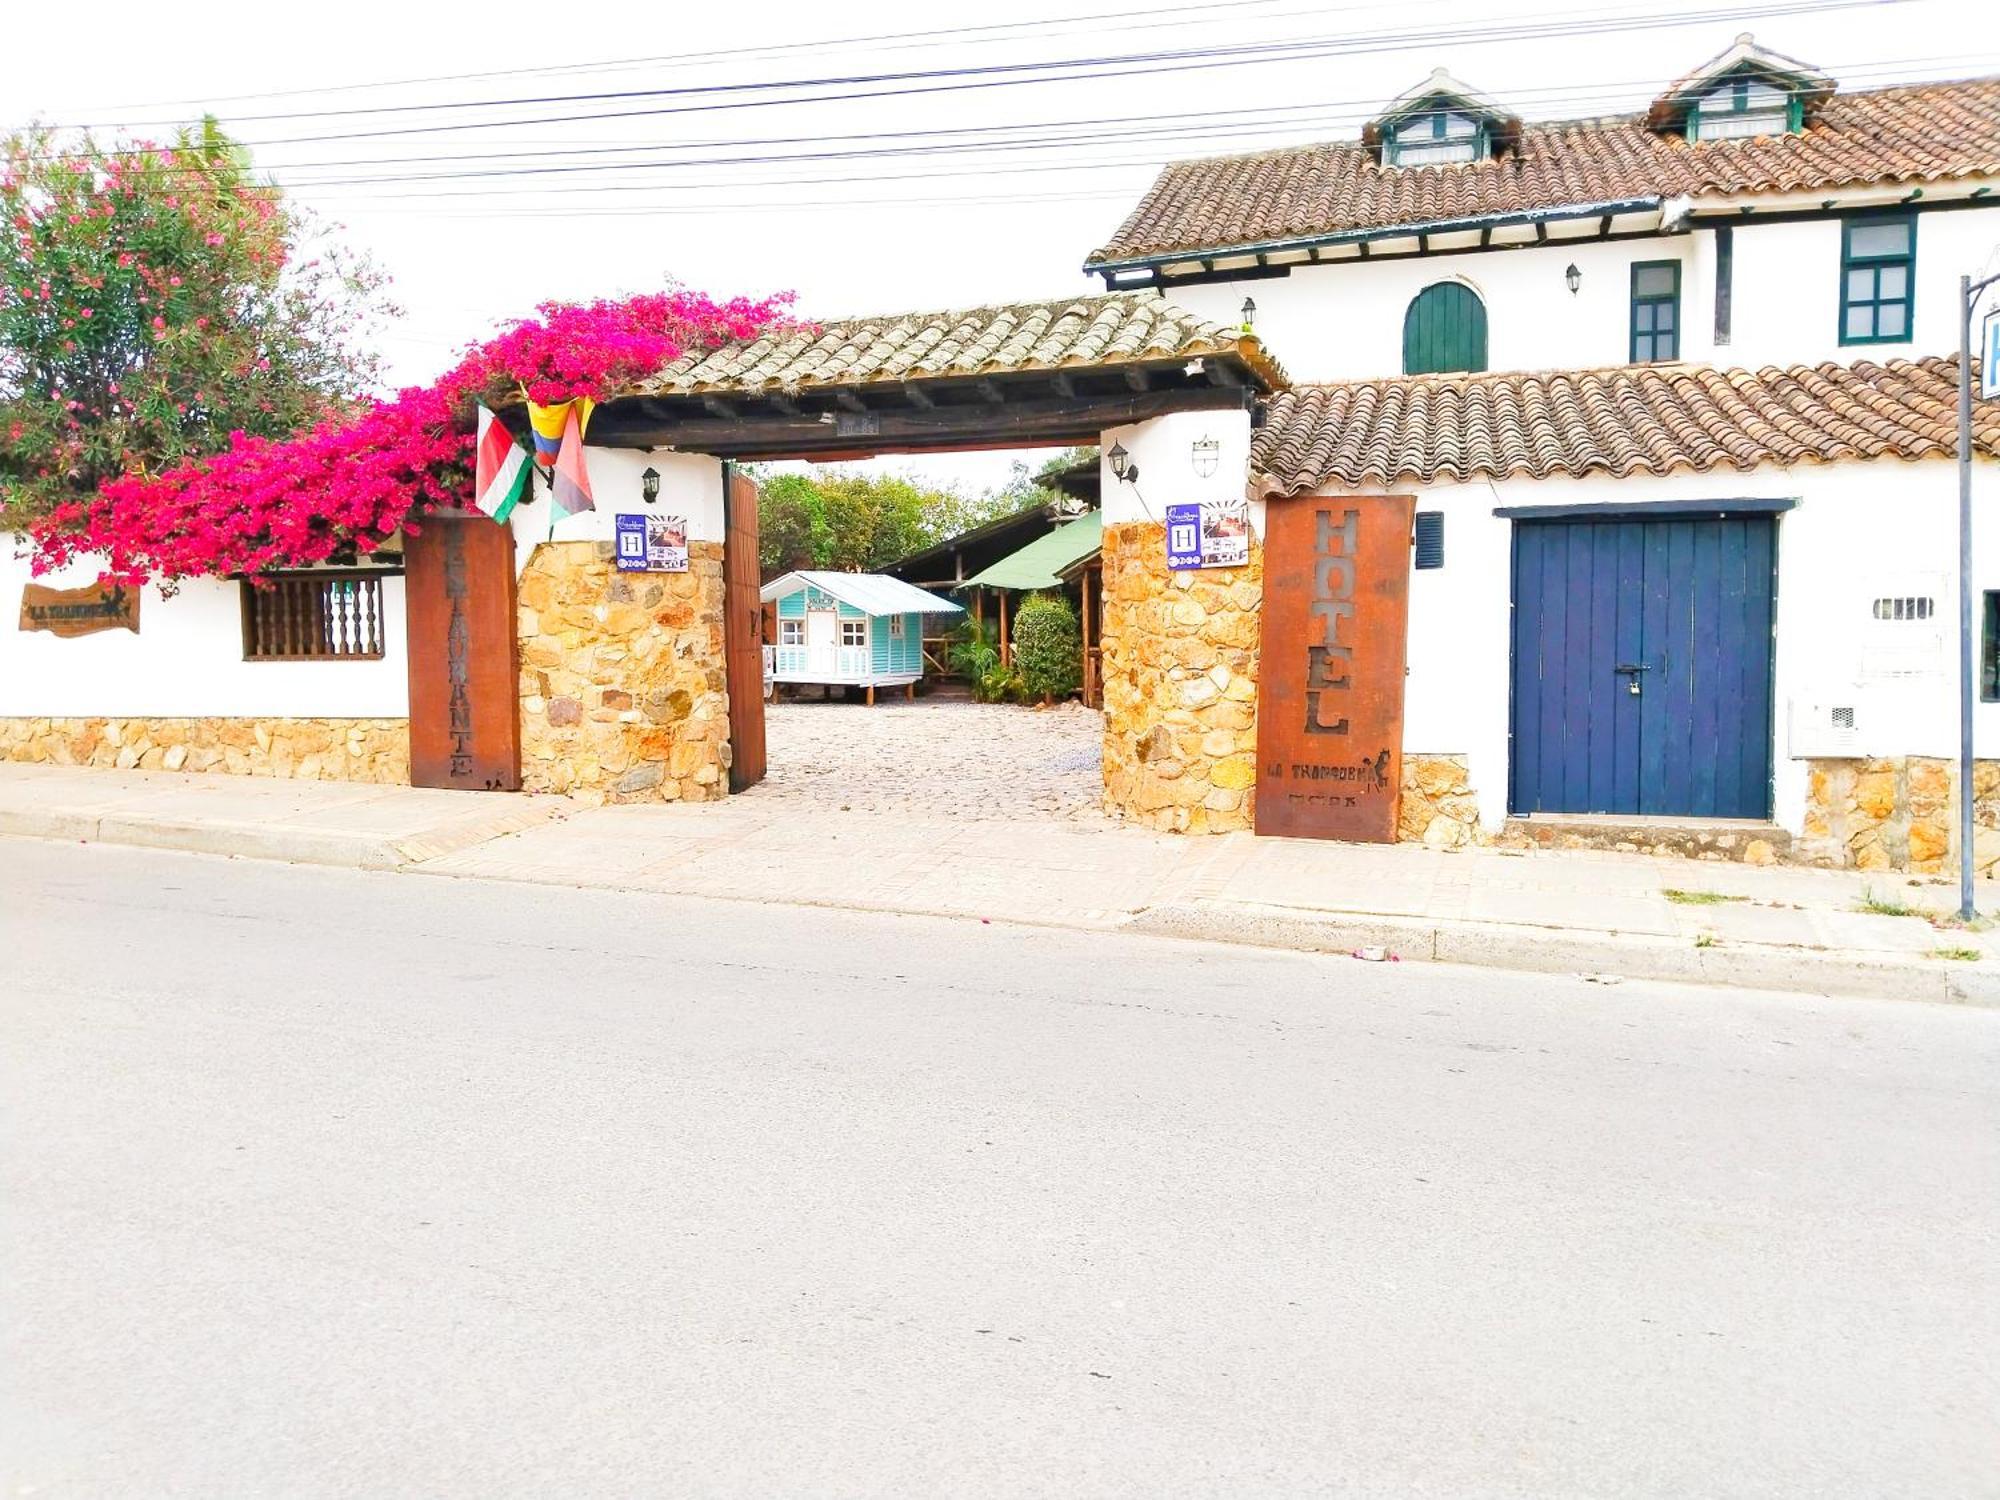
column 1825, row 729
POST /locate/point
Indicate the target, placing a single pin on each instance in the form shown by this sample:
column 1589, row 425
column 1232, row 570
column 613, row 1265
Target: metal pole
column 1965, row 640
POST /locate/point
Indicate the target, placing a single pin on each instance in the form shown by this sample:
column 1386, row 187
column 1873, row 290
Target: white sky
column 931, row 228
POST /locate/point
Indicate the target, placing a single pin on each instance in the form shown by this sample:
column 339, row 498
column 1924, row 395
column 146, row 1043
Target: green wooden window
column 1746, row 107
column 1878, row 265
column 1656, row 311
column 1436, row 137
column 1443, row 330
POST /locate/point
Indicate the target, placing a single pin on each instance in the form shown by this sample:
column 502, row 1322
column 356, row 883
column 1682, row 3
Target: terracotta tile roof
column 1114, row 329
column 1636, row 419
column 1913, row 133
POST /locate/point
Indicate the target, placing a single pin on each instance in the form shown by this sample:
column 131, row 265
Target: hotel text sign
column 1330, row 692
column 74, row 612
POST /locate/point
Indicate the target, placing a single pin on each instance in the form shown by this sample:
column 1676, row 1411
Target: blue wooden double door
column 1642, row 666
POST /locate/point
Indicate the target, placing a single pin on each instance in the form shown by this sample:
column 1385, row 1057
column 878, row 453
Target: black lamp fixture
column 649, row 485
column 1122, row 468
column 1573, row 278
column 1249, row 313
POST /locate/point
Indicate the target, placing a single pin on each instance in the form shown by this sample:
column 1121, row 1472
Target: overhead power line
column 1000, row 31
column 1009, row 75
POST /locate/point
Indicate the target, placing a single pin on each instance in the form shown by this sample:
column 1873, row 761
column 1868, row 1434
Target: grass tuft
column 1884, row 906
column 1698, row 898
column 1962, row 955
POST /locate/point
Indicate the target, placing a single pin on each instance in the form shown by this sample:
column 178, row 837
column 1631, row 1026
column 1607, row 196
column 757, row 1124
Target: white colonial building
column 1674, row 393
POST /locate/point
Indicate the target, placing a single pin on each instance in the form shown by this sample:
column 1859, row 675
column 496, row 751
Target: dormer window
column 1437, row 137
column 1740, row 94
column 1741, row 109
column 1440, row 123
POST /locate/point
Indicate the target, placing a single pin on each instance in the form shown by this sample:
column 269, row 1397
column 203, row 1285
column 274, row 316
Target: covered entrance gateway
column 1043, row 374
column 1642, row 661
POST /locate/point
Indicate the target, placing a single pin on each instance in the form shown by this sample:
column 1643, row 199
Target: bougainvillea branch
column 347, row 484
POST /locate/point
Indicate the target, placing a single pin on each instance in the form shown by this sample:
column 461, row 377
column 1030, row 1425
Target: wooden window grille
column 332, row 616
column 1428, row 538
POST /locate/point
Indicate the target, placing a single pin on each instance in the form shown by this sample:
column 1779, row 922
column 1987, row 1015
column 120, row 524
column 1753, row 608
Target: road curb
column 286, row 844
column 1551, row 950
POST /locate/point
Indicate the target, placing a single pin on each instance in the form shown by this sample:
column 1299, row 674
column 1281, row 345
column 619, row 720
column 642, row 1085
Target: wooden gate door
column 743, row 631
column 465, row 711
column 1330, row 671
column 1642, row 666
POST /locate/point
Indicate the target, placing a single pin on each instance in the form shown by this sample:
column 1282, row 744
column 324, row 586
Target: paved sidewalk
column 258, row 817
column 1627, row 916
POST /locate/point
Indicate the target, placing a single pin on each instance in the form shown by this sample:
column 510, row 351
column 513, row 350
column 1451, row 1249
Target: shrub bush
column 1048, row 647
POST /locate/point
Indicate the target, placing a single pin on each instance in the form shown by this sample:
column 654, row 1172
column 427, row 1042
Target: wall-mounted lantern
column 649, row 486
column 1122, row 468
column 1206, row 456
column 1573, row 278
column 1249, row 313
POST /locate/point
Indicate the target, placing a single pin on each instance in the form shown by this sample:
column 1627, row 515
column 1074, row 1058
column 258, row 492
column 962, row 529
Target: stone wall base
column 623, row 696
column 1439, row 809
column 1730, row 843
column 371, row 750
column 1897, row 813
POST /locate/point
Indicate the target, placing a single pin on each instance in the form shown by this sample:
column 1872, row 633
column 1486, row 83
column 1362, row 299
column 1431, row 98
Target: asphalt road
column 330, row 1184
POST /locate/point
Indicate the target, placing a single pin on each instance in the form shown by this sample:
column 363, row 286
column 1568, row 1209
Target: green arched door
column 1444, row 329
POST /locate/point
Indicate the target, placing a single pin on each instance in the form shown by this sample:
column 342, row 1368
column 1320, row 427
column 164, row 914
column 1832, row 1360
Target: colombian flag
column 546, row 422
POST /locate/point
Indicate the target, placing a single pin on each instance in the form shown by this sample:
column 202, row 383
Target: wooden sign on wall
column 1330, row 672
column 74, row 612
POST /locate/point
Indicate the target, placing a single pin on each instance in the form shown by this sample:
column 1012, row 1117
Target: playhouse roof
column 1045, row 561
column 872, row 593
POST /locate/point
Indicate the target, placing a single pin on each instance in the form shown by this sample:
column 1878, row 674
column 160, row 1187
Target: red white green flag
column 502, row 469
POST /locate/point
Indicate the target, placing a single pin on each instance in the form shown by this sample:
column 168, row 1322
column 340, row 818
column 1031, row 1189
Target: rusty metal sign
column 74, row 612
column 1330, row 672
column 465, row 707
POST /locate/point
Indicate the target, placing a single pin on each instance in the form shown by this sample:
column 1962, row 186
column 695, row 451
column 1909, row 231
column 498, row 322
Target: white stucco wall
column 1858, row 532
column 1344, row 321
column 185, row 662
column 690, row 485
column 1163, row 450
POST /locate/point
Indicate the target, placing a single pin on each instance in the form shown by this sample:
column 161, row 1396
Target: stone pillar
column 623, row 696
column 1180, row 685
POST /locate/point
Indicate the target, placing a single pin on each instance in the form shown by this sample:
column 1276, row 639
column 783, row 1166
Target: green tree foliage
column 853, row 520
column 153, row 299
column 1048, row 647
column 792, row 531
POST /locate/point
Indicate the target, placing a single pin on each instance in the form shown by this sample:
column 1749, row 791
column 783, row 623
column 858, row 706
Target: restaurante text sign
column 74, row 612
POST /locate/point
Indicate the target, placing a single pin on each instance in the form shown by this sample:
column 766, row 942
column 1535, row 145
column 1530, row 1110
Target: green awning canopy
column 1047, row 560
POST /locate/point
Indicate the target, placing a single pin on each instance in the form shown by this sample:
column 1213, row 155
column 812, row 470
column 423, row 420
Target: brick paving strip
column 991, row 812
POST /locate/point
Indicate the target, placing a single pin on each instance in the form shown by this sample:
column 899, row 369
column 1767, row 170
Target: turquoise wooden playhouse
column 850, row 629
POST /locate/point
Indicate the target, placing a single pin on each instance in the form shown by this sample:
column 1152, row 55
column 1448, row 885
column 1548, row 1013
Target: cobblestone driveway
column 937, row 757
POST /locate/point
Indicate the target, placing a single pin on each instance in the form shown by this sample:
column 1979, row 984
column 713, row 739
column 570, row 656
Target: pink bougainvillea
column 346, row 485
